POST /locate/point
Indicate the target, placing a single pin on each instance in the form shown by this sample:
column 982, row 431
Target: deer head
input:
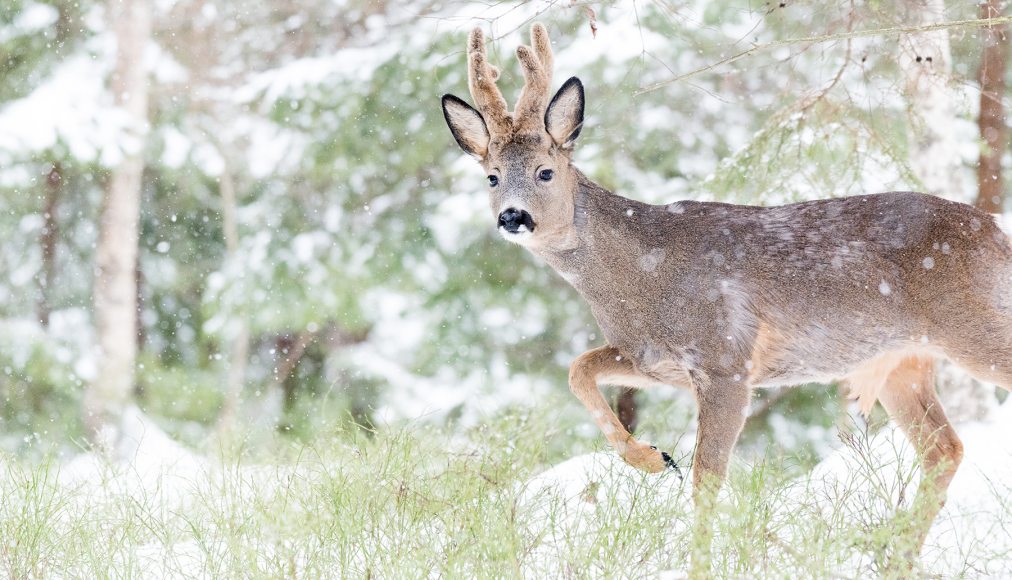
column 525, row 153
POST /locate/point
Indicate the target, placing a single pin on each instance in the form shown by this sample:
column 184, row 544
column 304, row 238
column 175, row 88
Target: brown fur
column 723, row 298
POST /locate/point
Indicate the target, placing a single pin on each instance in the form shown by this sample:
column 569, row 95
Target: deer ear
column 564, row 116
column 467, row 126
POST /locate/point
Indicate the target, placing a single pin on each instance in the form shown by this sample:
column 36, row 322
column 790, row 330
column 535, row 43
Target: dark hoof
column 670, row 463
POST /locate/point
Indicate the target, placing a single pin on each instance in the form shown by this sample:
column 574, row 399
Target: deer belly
column 815, row 355
column 787, row 376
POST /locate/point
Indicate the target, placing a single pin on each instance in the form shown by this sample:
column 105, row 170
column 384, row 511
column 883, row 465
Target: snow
column 566, row 500
column 293, row 80
column 176, row 147
column 146, row 463
column 976, row 507
column 66, row 345
column 159, row 476
column 584, row 497
column 461, row 215
column 72, row 107
column 572, row 499
column 33, row 18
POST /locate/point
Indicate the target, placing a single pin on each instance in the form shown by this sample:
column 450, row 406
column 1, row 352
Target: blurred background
column 251, row 216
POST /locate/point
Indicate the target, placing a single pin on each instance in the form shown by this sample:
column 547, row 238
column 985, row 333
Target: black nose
column 513, row 218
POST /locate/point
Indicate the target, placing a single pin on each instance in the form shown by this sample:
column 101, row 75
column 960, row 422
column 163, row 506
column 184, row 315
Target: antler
column 537, row 69
column 481, row 78
column 536, row 64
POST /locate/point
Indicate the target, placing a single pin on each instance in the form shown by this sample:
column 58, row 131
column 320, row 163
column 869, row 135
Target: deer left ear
column 564, row 116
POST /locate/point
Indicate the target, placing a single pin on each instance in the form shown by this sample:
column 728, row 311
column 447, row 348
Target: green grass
column 413, row 500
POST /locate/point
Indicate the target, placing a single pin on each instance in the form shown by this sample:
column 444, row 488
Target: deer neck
column 605, row 232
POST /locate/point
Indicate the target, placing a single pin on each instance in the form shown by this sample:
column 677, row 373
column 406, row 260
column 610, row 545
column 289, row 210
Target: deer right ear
column 467, row 125
column 564, row 116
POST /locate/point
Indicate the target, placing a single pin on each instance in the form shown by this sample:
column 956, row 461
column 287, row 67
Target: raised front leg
column 723, row 408
column 607, row 363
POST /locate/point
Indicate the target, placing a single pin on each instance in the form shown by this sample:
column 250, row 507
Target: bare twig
column 888, row 31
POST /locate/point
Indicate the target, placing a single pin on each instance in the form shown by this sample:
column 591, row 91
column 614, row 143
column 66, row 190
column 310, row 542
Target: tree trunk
column 115, row 290
column 925, row 61
column 289, row 352
column 993, row 132
column 50, row 234
column 238, row 347
column 139, row 334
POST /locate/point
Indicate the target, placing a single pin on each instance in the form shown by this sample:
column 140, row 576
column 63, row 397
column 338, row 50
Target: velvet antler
column 536, row 63
column 537, row 69
column 481, row 78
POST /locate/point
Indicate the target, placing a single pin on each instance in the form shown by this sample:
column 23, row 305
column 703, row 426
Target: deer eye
column 493, row 180
column 546, row 174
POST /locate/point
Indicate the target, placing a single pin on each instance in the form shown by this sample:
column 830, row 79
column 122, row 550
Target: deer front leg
column 723, row 407
column 607, row 362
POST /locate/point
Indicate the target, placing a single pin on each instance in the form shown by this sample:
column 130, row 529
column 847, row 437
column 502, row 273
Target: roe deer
column 721, row 298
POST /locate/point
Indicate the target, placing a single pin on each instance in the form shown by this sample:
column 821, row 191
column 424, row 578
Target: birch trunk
column 925, row 61
column 115, row 291
column 238, row 351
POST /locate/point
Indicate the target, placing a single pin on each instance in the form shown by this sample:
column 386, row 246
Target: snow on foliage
column 71, row 108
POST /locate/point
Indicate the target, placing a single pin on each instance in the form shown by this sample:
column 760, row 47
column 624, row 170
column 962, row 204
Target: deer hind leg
column 607, row 364
column 910, row 399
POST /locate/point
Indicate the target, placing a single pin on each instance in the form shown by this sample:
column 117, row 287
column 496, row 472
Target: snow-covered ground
column 160, row 480
column 577, row 504
column 863, row 480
